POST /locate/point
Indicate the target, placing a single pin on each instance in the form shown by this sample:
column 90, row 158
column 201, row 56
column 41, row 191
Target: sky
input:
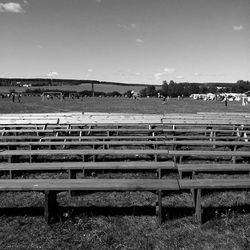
column 129, row 41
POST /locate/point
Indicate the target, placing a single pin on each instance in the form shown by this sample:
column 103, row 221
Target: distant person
column 19, row 97
column 226, row 101
column 164, row 100
column 13, row 97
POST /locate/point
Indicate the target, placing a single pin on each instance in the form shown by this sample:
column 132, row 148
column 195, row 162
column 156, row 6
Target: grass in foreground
column 98, row 221
column 125, row 232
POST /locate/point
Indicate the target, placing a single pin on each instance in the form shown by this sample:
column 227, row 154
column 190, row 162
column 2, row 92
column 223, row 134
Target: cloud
column 90, row 70
column 39, row 46
column 127, row 27
column 11, row 7
column 139, row 40
column 238, row 27
column 158, row 75
column 132, row 26
column 98, row 1
column 53, row 74
column 169, row 70
column 179, row 77
column 165, row 71
column 196, row 74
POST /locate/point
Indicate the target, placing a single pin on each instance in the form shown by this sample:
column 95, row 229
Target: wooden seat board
column 212, row 167
column 87, row 165
column 88, row 184
column 83, row 152
column 215, row 183
column 208, row 153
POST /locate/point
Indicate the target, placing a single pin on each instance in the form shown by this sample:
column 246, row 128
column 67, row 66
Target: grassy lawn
column 83, row 226
column 126, row 105
column 123, row 220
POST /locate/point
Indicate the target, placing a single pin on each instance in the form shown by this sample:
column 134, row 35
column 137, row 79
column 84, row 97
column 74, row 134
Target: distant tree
column 164, row 89
column 150, row 90
column 212, row 89
column 173, row 89
column 243, row 86
column 143, row 92
column 203, row 89
column 114, row 93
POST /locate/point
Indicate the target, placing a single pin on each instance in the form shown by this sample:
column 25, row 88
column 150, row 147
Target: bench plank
column 215, row 183
column 88, row 185
column 84, row 152
column 206, row 167
column 87, row 165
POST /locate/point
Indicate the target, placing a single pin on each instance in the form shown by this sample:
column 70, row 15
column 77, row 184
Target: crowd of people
column 15, row 97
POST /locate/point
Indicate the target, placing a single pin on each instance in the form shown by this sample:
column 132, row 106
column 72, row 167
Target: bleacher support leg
column 72, row 175
column 11, row 175
column 197, row 201
column 50, row 206
column 159, row 207
column 159, row 173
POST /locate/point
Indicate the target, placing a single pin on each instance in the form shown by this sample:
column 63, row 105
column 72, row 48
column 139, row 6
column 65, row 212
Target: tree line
column 171, row 88
column 185, row 89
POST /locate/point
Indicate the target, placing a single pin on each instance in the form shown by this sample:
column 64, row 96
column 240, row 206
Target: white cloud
column 196, row 74
column 98, row 1
column 238, row 27
column 139, row 40
column 11, row 7
column 53, row 74
column 90, row 70
column 169, row 70
column 179, row 77
column 158, row 75
column 165, row 71
column 127, row 27
column 138, row 73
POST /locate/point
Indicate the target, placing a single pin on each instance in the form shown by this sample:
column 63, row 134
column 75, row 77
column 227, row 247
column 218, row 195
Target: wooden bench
column 82, row 153
column 136, row 152
column 53, row 186
column 94, row 144
column 208, row 153
column 167, row 144
column 211, row 168
column 105, row 131
column 72, row 167
column 77, row 138
column 205, row 137
column 211, row 184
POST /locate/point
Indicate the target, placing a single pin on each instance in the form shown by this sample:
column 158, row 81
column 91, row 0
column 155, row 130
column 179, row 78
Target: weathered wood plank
column 84, row 152
column 206, row 167
column 132, row 165
column 215, row 183
column 88, row 184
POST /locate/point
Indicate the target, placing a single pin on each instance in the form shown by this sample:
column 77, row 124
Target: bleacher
column 186, row 145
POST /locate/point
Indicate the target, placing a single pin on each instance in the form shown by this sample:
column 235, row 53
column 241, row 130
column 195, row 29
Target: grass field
column 97, row 222
column 125, row 105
